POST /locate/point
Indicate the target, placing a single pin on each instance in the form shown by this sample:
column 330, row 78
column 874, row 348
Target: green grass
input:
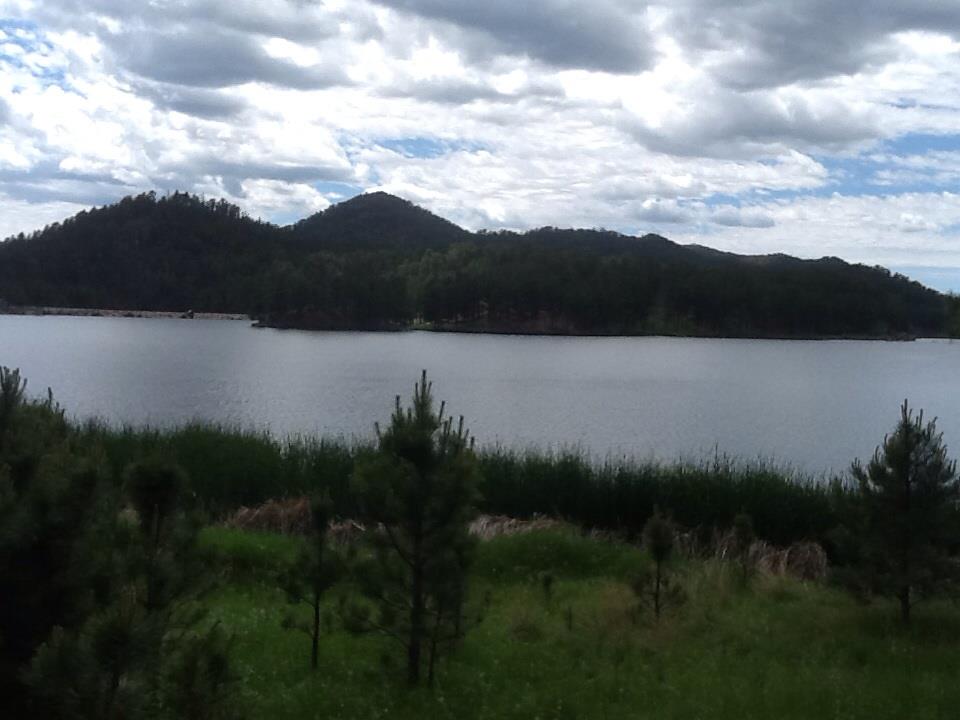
column 781, row 649
column 247, row 557
column 564, row 554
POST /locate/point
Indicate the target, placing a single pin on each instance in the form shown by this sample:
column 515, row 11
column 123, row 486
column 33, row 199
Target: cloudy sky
column 810, row 127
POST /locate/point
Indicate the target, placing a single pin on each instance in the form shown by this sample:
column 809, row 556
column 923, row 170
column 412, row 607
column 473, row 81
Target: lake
column 811, row 405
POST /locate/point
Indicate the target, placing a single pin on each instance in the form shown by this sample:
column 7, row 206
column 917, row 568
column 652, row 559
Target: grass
column 230, row 467
column 780, row 649
column 246, row 557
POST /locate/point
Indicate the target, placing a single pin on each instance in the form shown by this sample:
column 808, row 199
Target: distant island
column 377, row 262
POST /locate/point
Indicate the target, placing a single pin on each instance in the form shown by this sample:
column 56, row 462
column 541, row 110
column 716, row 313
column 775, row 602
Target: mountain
column 378, row 221
column 379, row 262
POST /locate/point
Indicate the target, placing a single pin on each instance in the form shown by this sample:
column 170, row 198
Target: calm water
column 814, row 405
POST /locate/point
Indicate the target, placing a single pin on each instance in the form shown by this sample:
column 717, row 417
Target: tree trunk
column 112, row 689
column 656, row 595
column 434, row 641
column 416, row 625
column 315, row 637
column 905, row 604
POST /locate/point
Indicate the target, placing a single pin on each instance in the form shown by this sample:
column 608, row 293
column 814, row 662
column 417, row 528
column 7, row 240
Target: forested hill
column 376, row 221
column 379, row 262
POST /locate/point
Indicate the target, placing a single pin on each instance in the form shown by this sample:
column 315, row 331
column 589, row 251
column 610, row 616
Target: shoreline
column 526, row 331
column 521, row 329
column 39, row 311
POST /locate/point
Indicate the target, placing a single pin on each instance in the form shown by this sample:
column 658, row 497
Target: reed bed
column 234, row 467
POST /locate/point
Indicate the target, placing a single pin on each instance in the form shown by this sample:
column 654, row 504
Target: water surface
column 813, row 405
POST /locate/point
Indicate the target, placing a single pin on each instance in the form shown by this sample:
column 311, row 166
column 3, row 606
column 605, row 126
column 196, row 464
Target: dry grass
column 802, row 560
column 287, row 517
column 487, row 527
column 291, row 516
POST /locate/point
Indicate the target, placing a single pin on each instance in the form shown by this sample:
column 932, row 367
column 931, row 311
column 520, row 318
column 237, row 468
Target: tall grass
column 621, row 494
column 230, row 467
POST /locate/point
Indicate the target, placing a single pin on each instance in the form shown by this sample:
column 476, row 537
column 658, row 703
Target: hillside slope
column 144, row 252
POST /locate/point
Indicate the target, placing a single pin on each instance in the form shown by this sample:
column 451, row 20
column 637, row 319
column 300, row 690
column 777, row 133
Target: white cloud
column 902, row 229
column 19, row 215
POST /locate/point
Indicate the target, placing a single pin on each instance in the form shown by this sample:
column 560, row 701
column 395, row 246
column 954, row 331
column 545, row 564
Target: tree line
column 378, row 262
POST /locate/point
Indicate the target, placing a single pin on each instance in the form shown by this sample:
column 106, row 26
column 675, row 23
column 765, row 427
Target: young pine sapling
column 317, row 568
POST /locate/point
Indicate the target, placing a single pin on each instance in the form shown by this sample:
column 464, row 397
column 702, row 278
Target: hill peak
column 376, row 219
column 378, row 197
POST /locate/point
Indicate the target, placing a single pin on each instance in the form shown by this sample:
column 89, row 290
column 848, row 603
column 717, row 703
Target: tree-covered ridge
column 145, row 252
column 379, row 262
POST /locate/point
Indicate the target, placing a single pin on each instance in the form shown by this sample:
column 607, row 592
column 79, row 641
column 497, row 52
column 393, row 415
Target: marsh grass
column 231, row 467
column 620, row 493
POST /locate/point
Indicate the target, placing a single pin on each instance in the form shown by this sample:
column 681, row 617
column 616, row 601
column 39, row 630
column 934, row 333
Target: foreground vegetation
column 122, row 595
column 779, row 648
column 377, row 262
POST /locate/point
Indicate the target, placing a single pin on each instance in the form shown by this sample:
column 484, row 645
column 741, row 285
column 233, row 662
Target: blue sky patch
column 944, row 279
column 26, row 36
column 859, row 175
column 427, row 147
column 337, row 191
column 921, row 143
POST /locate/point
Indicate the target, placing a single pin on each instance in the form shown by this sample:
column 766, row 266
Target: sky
column 808, row 127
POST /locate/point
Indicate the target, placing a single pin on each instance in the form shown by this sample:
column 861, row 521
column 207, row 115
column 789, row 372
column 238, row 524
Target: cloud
column 770, row 43
column 742, row 217
column 19, row 215
column 209, row 43
column 280, row 200
column 462, row 91
column 453, row 91
column 606, row 35
column 936, row 168
column 200, row 102
column 197, row 58
column 216, row 165
column 913, row 223
column 726, row 124
column 291, row 19
column 654, row 210
column 51, row 183
column 894, row 230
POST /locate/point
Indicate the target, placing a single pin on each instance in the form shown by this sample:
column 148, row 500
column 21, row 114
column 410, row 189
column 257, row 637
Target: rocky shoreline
column 100, row 312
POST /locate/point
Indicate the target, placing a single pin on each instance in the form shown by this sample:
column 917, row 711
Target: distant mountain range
column 379, row 262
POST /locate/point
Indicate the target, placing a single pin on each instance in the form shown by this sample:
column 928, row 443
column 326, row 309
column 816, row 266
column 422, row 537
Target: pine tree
column 953, row 315
column 52, row 496
column 317, row 568
column 421, row 489
column 11, row 397
column 96, row 579
column 656, row 588
column 909, row 494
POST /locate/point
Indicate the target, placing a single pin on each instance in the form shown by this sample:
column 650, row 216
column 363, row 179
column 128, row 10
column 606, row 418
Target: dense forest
column 379, row 262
